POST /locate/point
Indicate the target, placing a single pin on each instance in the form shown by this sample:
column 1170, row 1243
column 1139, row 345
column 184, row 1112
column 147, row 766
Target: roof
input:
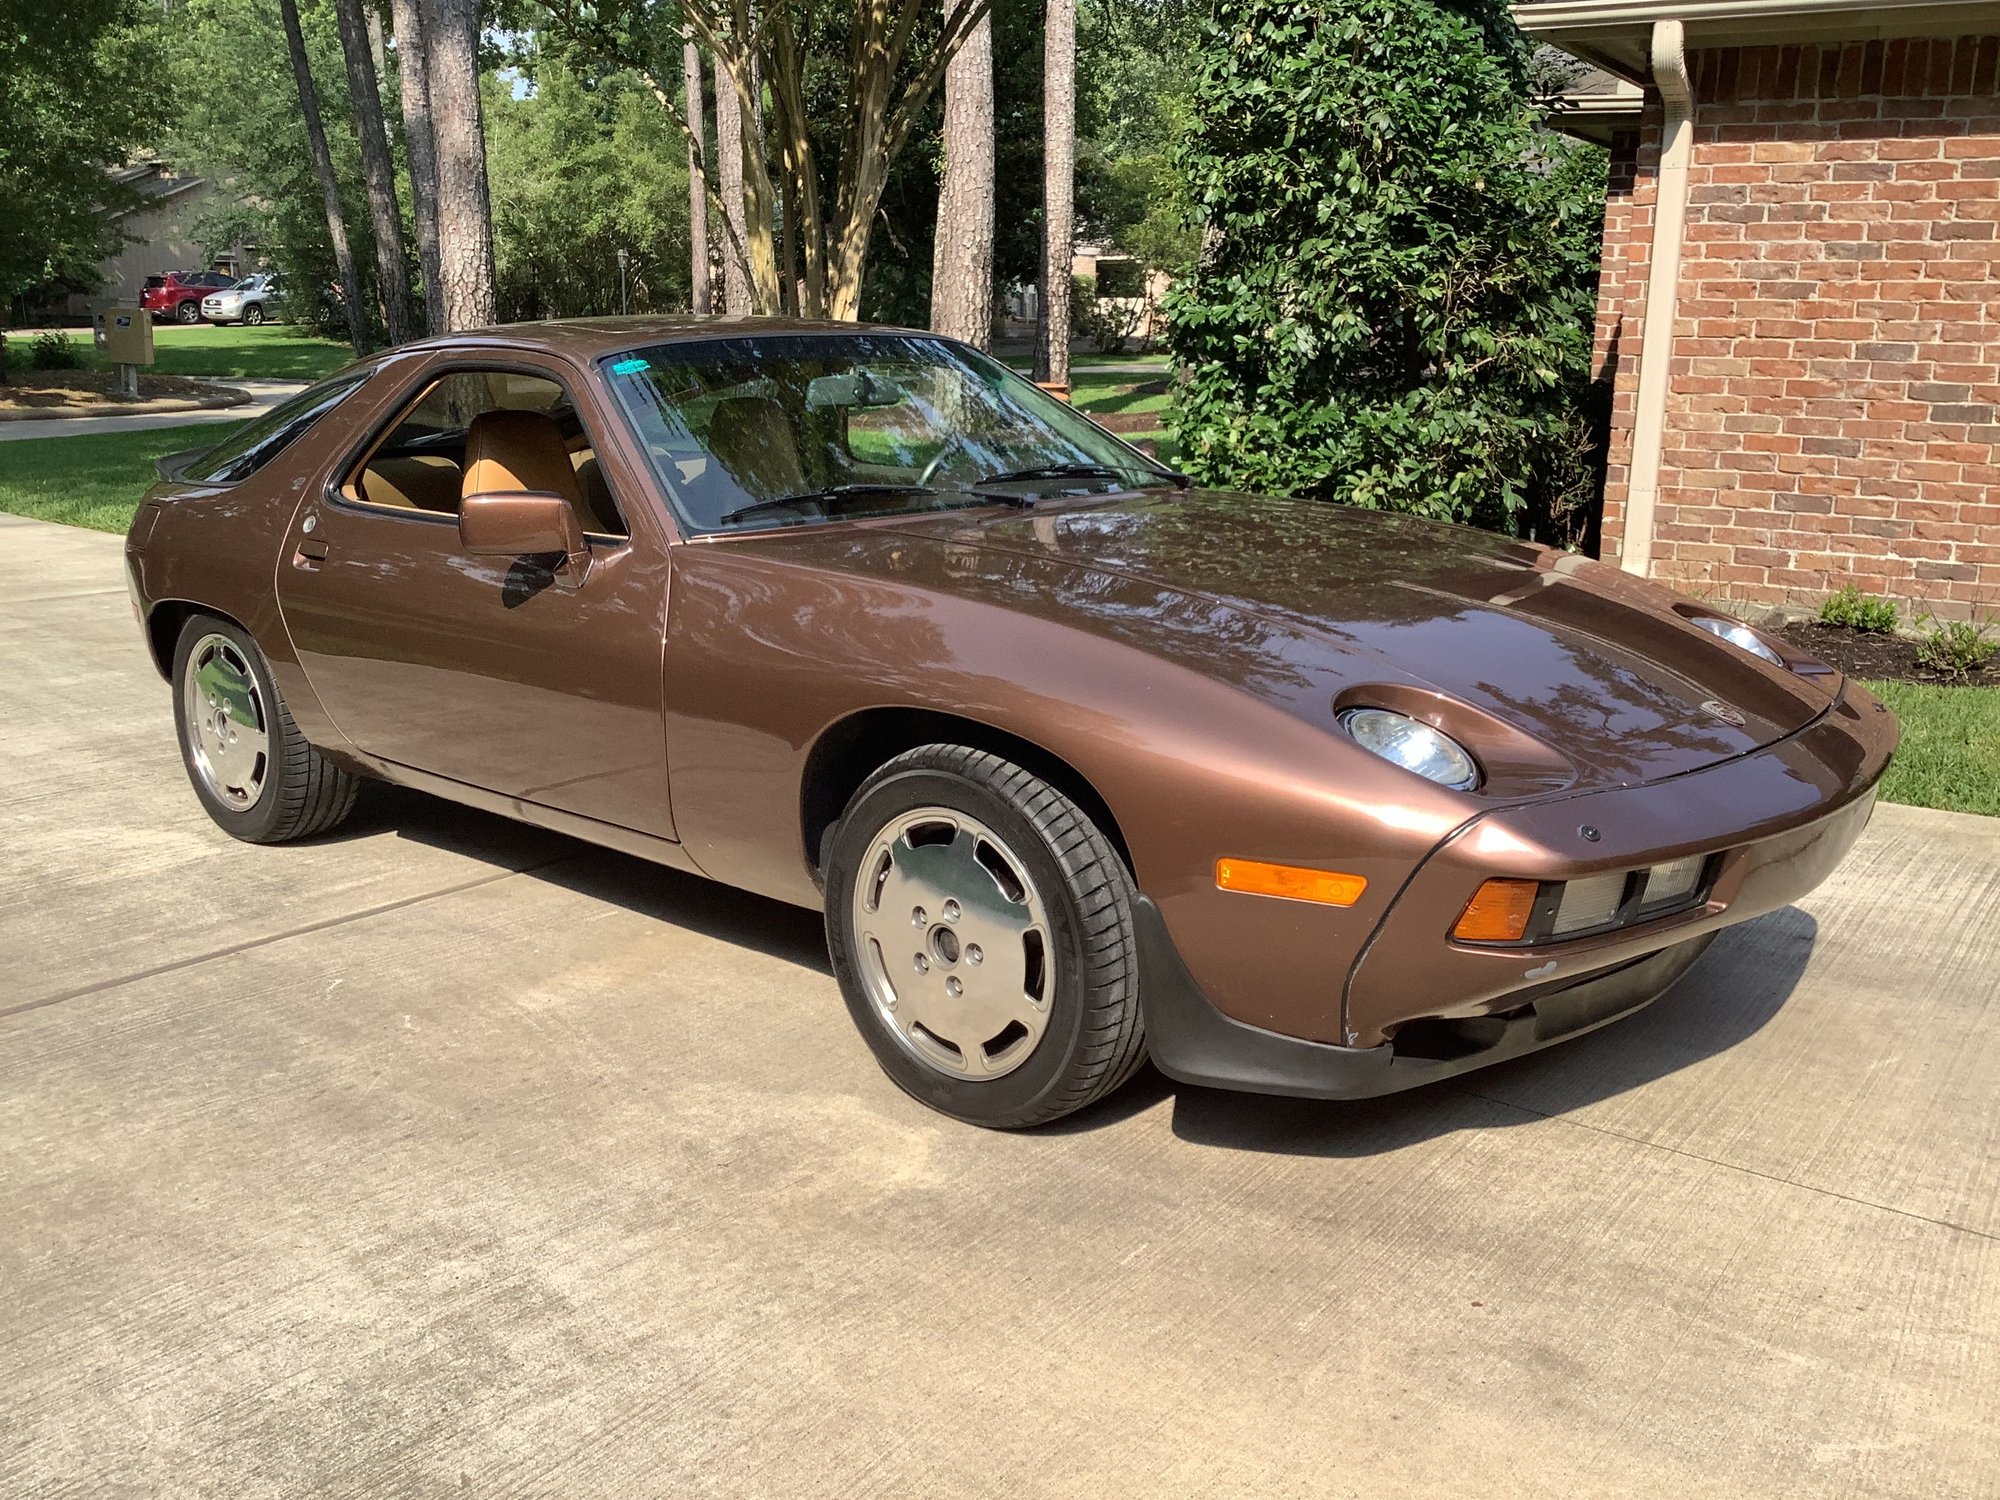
column 587, row 338
column 1616, row 35
column 154, row 182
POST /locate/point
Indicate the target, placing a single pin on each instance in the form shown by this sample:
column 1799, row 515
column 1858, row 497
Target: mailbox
column 124, row 331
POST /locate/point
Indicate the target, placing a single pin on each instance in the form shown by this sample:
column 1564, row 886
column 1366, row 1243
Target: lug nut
column 953, row 988
column 951, row 911
column 973, row 955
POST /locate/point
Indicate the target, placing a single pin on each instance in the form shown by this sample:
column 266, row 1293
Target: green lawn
column 93, row 481
column 1079, row 362
column 1950, row 756
column 272, row 352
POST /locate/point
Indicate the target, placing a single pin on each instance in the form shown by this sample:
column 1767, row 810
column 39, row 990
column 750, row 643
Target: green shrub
column 1858, row 611
column 1956, row 647
column 1392, row 305
column 54, row 351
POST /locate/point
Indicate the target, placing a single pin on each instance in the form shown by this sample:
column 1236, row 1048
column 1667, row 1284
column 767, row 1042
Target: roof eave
column 1616, row 34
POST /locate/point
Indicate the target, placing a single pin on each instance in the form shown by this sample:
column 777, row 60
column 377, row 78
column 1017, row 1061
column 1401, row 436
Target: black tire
column 188, row 312
column 301, row 793
column 253, row 314
column 1094, row 1038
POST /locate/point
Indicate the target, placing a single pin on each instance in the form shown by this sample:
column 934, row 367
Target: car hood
column 1303, row 603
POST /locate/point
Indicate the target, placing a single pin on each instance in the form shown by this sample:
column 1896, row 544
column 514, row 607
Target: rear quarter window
column 243, row 453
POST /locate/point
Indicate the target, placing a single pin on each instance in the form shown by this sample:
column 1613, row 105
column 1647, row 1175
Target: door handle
column 310, row 555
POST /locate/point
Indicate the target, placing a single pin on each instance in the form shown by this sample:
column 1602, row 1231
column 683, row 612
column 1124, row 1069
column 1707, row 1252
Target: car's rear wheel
column 980, row 926
column 251, row 768
column 188, row 312
column 253, row 314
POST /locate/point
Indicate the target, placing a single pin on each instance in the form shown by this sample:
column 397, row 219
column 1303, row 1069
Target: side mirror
column 526, row 523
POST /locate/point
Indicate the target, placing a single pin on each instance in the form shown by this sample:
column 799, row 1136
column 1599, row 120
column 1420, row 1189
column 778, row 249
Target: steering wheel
column 952, row 445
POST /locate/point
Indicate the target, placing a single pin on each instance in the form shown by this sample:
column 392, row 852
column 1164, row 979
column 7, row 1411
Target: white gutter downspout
column 1663, row 280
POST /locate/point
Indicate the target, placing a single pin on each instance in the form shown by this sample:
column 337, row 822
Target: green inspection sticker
column 629, row 367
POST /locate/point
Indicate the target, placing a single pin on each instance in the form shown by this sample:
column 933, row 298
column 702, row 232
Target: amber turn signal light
column 1292, row 882
column 1498, row 912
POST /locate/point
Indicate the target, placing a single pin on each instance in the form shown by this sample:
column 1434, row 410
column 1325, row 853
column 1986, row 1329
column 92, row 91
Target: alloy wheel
column 953, row 941
column 228, row 725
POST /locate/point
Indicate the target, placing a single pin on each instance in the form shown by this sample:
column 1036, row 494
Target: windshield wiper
column 1083, row 471
column 833, row 492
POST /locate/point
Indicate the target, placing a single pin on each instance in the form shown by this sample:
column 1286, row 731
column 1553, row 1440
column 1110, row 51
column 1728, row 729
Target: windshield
column 247, row 284
column 783, row 429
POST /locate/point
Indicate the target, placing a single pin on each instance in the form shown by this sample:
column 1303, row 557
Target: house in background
column 1124, row 287
column 159, row 235
column 1799, row 310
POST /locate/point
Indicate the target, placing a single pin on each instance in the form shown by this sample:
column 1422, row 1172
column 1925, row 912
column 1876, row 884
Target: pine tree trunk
column 736, row 298
column 420, row 147
column 1058, row 191
column 329, row 185
column 392, row 281
column 378, row 45
column 464, row 207
column 962, row 262
column 699, row 296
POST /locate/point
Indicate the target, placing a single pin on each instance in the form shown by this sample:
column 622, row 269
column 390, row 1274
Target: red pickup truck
column 178, row 294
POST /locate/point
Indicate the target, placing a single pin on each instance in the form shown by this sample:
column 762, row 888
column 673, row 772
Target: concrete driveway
column 446, row 1156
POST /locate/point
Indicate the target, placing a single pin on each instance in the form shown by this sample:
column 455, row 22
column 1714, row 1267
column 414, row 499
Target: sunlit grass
column 94, row 481
column 1950, row 755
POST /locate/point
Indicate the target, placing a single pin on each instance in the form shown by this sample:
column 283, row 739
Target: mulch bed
column 1866, row 653
column 35, row 390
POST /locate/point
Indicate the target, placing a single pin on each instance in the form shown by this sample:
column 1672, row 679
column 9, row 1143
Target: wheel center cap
column 944, row 945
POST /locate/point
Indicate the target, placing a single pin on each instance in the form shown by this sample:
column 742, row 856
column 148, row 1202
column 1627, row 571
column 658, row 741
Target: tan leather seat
column 508, row 451
column 752, row 438
column 429, row 482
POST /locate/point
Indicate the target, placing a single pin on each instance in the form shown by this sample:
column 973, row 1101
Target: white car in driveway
column 254, row 299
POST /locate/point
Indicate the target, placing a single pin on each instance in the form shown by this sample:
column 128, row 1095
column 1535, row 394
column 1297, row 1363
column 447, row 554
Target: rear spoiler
column 169, row 467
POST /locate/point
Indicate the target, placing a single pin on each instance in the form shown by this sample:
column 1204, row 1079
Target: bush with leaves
column 1855, row 610
column 54, row 351
column 1957, row 648
column 1393, row 300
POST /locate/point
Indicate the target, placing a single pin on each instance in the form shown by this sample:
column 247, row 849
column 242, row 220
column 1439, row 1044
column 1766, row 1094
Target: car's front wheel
column 189, row 312
column 980, row 925
column 253, row 315
column 252, row 770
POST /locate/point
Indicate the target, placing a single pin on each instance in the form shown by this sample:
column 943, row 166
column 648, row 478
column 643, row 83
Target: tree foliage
column 81, row 86
column 1134, row 99
column 1393, row 298
column 240, row 125
column 584, row 167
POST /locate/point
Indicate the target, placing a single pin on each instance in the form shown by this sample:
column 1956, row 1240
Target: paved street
column 445, row 1155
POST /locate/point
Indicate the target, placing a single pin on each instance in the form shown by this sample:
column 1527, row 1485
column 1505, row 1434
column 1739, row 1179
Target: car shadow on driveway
column 1730, row 994
column 688, row 901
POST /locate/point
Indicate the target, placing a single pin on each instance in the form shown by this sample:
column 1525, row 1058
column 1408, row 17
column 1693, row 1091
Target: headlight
column 1414, row 746
column 1738, row 635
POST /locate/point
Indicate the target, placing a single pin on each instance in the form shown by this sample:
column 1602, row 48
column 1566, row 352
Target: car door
column 489, row 671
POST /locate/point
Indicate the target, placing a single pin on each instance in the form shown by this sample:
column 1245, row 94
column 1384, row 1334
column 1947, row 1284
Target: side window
column 245, row 452
column 475, row 431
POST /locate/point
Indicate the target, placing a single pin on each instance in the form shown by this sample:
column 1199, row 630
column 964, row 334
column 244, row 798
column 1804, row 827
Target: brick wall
column 1837, row 355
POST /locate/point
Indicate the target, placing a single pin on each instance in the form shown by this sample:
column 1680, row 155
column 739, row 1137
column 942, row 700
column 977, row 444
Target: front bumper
column 1419, row 1006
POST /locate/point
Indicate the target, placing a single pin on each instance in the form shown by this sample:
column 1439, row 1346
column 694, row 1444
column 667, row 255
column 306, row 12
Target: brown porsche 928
column 1082, row 764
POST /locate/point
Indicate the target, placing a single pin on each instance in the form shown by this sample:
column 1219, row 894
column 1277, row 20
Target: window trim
column 410, row 396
